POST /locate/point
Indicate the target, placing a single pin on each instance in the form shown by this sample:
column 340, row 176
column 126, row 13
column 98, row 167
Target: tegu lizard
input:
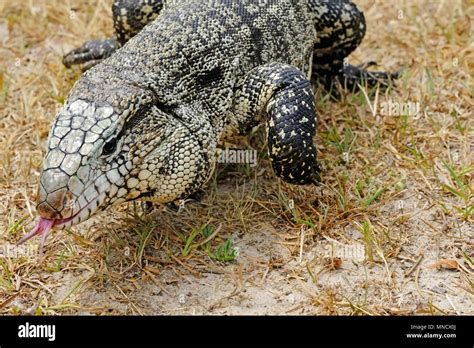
column 145, row 120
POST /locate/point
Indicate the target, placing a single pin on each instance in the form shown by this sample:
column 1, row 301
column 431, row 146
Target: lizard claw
column 366, row 65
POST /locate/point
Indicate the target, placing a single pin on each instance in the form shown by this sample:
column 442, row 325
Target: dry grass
column 400, row 186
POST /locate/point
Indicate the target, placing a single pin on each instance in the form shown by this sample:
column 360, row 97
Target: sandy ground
column 390, row 232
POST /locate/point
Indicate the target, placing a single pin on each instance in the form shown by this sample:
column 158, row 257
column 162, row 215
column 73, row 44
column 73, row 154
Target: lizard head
column 100, row 153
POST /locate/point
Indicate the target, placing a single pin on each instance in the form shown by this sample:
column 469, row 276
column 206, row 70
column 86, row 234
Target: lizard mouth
column 44, row 225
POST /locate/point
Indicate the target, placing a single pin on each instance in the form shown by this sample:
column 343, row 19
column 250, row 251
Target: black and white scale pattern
column 144, row 122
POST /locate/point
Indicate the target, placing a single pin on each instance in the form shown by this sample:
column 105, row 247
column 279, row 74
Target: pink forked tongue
column 42, row 228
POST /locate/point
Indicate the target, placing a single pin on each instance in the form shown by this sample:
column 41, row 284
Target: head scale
column 119, row 147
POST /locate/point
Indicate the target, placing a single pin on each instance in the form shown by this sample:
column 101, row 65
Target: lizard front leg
column 282, row 96
column 340, row 28
column 129, row 16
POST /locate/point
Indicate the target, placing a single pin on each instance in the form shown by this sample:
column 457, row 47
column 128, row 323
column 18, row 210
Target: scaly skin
column 145, row 122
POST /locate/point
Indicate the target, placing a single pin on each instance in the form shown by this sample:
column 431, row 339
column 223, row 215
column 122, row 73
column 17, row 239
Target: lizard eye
column 109, row 147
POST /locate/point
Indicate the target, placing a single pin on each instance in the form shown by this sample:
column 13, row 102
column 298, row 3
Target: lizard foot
column 90, row 53
column 351, row 77
column 176, row 206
